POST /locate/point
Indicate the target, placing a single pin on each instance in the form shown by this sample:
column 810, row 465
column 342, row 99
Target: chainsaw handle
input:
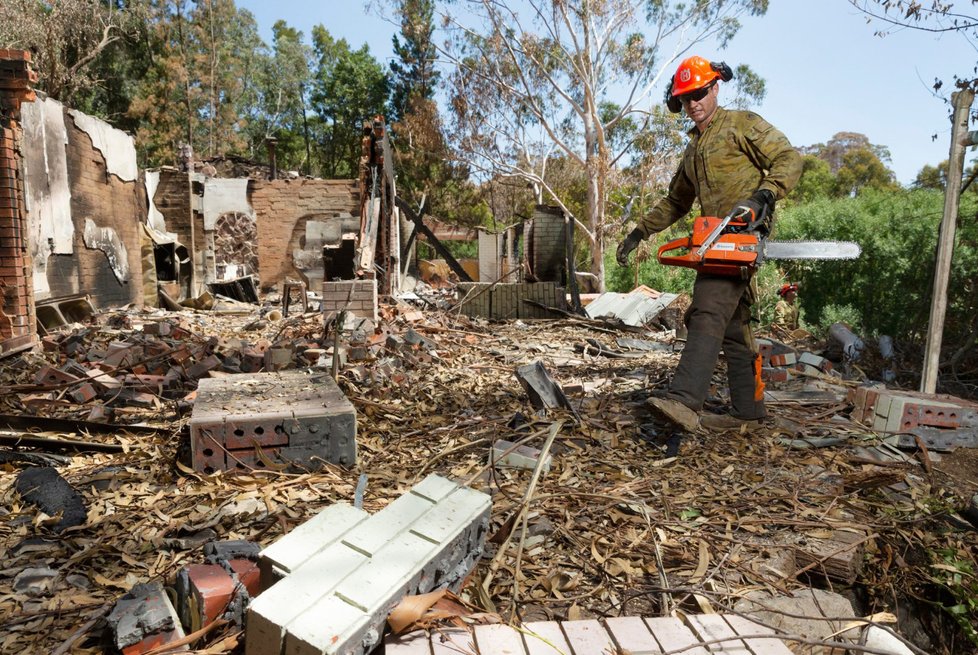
column 689, row 260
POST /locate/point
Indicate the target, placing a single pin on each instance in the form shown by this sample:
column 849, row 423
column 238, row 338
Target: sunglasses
column 697, row 95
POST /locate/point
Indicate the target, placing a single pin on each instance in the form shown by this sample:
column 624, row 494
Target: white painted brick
column 434, row 488
column 438, row 547
column 811, row 359
column 371, row 535
column 273, row 610
column 520, row 457
column 894, row 415
column 387, row 574
column 338, row 600
column 324, row 529
column 324, row 627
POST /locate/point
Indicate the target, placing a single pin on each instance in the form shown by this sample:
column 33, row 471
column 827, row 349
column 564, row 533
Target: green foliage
column 956, row 574
column 817, row 180
column 887, row 290
column 349, row 87
column 413, row 73
column 862, row 169
column 650, row 272
column 283, row 81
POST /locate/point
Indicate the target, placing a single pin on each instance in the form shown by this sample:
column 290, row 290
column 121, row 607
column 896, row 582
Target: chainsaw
column 732, row 246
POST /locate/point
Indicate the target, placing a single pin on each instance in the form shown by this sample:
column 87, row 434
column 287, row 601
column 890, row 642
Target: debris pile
column 598, row 511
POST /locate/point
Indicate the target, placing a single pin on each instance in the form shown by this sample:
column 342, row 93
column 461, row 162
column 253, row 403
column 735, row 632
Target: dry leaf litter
column 618, row 526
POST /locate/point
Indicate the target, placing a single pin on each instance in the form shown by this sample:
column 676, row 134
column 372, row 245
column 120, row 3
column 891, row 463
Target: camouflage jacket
column 737, row 154
column 786, row 315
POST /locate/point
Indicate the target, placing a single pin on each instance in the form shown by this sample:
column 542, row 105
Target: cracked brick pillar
column 18, row 324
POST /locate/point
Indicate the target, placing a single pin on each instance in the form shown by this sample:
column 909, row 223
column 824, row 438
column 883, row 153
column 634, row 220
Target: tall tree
column 427, row 171
column 66, row 39
column 413, row 72
column 862, row 169
column 226, row 63
column 164, row 105
column 350, row 86
column 834, row 151
column 284, row 80
column 532, row 77
column 201, row 86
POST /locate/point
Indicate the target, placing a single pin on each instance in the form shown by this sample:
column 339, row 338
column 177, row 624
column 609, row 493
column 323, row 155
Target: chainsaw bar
column 810, row 249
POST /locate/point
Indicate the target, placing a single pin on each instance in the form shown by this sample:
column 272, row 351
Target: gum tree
column 533, row 79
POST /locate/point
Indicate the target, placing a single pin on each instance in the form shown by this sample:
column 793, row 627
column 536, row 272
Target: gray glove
column 626, row 247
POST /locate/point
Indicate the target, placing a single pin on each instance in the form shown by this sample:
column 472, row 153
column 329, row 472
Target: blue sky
column 825, row 70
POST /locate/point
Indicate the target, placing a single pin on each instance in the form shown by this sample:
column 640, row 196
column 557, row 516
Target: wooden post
column 960, row 138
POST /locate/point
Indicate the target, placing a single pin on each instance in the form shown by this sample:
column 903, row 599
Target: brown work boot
column 725, row 422
column 675, row 412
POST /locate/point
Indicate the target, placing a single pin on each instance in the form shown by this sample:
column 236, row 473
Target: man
column 785, row 312
column 735, row 162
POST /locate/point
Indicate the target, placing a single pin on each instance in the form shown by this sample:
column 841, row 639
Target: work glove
column 756, row 211
column 626, row 247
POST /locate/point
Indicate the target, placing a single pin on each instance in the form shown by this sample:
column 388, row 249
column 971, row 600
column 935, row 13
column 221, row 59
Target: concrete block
column 293, row 417
column 522, row 456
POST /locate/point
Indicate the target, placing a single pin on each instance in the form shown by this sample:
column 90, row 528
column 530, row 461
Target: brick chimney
column 18, row 323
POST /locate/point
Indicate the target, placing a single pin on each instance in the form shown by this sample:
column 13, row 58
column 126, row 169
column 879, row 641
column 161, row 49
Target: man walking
column 735, row 162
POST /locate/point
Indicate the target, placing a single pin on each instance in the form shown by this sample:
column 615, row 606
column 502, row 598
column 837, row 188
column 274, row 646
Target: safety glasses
column 697, row 95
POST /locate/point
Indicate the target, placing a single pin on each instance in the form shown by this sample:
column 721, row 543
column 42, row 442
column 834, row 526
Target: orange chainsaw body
column 732, row 253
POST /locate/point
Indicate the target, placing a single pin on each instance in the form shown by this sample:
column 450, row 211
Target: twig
column 77, row 634
column 497, row 560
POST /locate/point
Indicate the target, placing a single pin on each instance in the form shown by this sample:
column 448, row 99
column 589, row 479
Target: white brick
column 386, row 575
column 520, row 457
column 273, row 610
column 434, row 488
column 324, row 529
column 322, row 627
column 371, row 535
column 440, row 540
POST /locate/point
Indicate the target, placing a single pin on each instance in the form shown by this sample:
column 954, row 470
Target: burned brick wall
column 17, row 320
column 295, row 219
column 106, row 212
column 18, row 323
column 172, row 200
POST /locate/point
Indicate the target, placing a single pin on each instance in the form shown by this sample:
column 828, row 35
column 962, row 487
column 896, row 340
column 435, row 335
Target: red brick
column 84, row 393
column 213, row 589
column 50, row 375
column 774, row 374
column 248, row 575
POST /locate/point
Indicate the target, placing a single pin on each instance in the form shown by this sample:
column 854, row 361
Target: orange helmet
column 694, row 73
column 787, row 288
